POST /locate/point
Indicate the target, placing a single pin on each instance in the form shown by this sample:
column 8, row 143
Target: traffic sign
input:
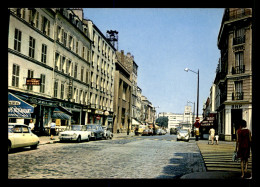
column 197, row 119
column 197, row 124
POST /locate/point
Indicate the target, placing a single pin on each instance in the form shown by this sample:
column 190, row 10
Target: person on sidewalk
column 216, row 138
column 243, row 144
column 212, row 135
column 53, row 129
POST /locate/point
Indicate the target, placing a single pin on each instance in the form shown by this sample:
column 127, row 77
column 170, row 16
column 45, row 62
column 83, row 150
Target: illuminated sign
column 33, row 81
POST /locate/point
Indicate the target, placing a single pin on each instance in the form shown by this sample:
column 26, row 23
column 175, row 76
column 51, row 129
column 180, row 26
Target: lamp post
column 154, row 120
column 187, row 69
column 192, row 117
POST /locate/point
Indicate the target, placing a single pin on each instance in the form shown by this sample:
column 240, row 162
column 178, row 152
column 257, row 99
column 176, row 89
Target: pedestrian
column 197, row 133
column 243, row 144
column 216, row 138
column 52, row 129
column 212, row 135
column 31, row 125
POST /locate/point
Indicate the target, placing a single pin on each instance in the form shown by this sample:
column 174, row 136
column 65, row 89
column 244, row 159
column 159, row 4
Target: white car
column 75, row 133
column 107, row 133
column 183, row 134
column 20, row 135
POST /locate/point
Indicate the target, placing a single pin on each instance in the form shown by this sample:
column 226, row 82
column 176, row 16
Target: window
column 239, row 36
column 68, row 65
column 44, row 53
column 75, row 70
column 30, row 75
column 238, row 95
column 42, row 87
column 15, row 75
column 58, row 33
column 70, row 42
column 57, row 57
column 31, row 47
column 34, row 17
column 62, row 91
column 87, row 77
column 82, row 73
column 25, row 130
column 63, row 64
column 83, row 52
column 45, row 28
column 77, row 47
column 56, row 89
column 17, row 40
column 239, row 58
column 64, row 41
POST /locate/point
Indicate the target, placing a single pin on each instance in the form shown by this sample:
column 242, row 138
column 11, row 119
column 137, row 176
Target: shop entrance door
column 236, row 114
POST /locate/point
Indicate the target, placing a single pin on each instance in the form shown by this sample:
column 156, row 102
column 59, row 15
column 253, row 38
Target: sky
column 165, row 41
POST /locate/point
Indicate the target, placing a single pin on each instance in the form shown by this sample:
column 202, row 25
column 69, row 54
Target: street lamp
column 192, row 116
column 187, row 69
column 153, row 119
column 198, row 73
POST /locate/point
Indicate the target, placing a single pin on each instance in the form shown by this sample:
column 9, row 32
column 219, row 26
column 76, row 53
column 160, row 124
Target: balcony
column 239, row 40
column 238, row 69
column 237, row 96
column 223, row 97
column 239, row 13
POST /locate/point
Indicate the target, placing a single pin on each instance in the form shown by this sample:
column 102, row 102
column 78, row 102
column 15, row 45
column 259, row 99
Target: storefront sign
column 236, row 106
column 18, row 108
column 99, row 112
column 33, row 81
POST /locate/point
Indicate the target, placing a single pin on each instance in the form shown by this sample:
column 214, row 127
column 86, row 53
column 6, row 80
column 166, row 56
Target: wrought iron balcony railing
column 237, row 95
column 238, row 69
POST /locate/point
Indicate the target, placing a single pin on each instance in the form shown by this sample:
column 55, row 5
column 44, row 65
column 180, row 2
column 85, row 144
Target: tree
column 162, row 122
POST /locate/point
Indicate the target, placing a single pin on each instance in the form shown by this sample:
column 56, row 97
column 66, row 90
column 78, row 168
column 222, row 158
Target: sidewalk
column 47, row 140
column 218, row 162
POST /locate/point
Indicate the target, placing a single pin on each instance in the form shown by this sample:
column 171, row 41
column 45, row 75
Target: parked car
column 107, row 133
column 97, row 131
column 139, row 130
column 164, row 131
column 75, row 133
column 173, row 130
column 145, row 132
column 20, row 135
column 183, row 134
column 150, row 131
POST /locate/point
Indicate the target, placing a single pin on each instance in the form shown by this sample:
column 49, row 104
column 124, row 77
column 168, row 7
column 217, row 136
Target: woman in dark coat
column 243, row 145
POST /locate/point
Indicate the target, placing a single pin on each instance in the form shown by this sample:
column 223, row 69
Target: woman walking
column 243, row 144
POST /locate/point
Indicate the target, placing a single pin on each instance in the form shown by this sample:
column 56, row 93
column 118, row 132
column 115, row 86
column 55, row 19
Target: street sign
column 197, row 119
column 197, row 124
column 98, row 117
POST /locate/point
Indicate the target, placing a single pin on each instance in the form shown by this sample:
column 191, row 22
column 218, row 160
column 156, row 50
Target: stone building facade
column 234, row 71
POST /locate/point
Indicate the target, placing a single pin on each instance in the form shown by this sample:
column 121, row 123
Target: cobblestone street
column 133, row 157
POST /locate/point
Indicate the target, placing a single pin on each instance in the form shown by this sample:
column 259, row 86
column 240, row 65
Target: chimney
column 122, row 56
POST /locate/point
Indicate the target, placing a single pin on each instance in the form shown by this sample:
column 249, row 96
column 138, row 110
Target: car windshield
column 183, row 131
column 91, row 127
column 10, row 128
column 75, row 128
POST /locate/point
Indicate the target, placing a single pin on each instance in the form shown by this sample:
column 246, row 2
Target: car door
column 27, row 136
column 17, row 136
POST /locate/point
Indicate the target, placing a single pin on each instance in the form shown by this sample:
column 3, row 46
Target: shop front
column 206, row 124
column 19, row 111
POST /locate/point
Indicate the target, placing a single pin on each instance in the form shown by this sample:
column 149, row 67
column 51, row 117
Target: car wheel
column 34, row 146
column 9, row 147
column 79, row 139
column 88, row 139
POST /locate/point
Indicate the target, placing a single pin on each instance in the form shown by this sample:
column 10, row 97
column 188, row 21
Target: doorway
column 236, row 115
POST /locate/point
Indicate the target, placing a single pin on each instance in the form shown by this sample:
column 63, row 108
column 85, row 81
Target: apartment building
column 122, row 92
column 234, row 71
column 102, row 70
column 72, row 60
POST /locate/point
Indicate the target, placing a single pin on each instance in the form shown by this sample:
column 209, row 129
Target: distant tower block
column 112, row 36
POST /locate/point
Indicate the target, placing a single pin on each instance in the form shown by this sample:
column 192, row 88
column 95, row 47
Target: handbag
column 234, row 157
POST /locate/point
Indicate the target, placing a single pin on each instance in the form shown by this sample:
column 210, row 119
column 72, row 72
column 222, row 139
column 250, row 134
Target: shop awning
column 61, row 113
column 135, row 122
column 17, row 108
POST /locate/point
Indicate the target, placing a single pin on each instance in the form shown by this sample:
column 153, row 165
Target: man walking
column 212, row 135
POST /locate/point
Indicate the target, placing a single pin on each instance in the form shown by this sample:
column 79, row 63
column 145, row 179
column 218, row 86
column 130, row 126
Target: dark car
column 97, row 131
column 173, row 130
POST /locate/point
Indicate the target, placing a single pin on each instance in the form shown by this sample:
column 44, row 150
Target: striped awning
column 60, row 115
